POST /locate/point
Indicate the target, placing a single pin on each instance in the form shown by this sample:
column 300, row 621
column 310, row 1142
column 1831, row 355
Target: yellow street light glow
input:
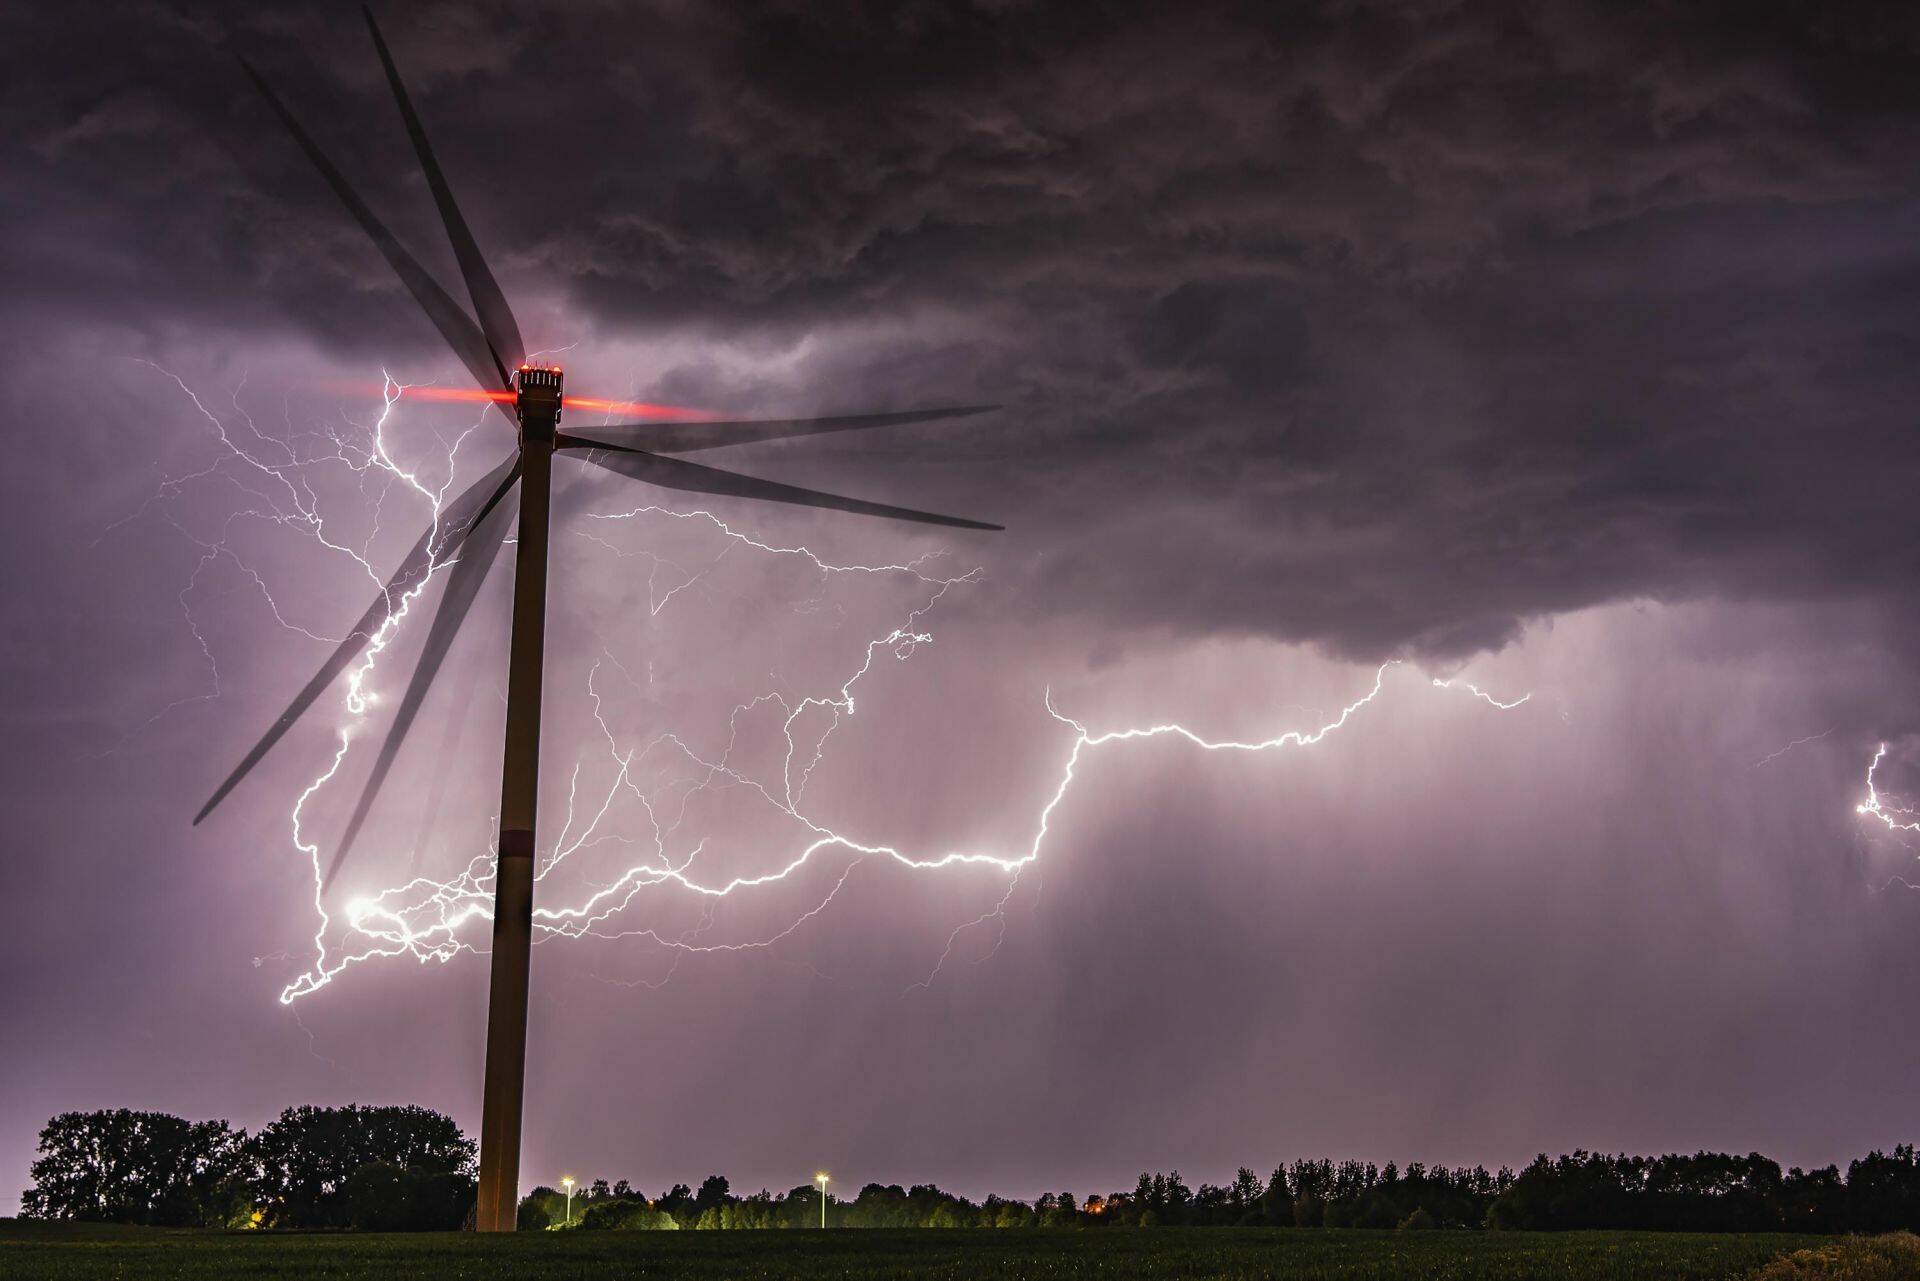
column 566, row 1180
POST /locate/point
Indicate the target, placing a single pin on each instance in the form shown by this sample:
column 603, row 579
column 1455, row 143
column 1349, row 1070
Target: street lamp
column 821, row 1179
column 566, row 1182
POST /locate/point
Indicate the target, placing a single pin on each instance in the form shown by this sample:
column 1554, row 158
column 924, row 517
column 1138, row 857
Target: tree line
column 373, row 1168
column 408, row 1168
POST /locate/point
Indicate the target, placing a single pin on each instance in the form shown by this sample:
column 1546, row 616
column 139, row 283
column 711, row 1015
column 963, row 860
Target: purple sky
column 1566, row 352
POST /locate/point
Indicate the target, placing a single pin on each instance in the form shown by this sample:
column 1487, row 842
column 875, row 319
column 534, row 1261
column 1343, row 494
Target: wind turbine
column 531, row 397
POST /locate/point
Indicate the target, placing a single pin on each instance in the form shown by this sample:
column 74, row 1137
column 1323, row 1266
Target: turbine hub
column 537, row 395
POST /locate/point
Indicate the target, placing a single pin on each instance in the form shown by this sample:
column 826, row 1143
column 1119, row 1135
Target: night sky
column 1568, row 350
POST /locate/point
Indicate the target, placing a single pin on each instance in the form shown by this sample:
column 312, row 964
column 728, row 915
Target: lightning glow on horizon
column 430, row 919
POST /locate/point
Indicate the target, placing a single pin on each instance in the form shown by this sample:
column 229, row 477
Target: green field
column 64, row 1250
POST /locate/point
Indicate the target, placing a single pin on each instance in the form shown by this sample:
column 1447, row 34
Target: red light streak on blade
column 464, row 395
column 589, row 404
column 638, row 409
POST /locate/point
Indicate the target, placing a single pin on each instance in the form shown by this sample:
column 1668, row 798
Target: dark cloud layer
column 1444, row 317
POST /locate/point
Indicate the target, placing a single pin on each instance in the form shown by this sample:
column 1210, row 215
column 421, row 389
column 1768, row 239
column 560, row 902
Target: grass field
column 59, row 1251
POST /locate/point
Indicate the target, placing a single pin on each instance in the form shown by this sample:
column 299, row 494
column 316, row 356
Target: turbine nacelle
column 536, row 401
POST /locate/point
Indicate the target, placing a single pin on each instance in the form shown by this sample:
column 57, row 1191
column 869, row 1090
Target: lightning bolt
column 1481, row 694
column 425, row 917
column 274, row 473
column 1898, row 818
column 1770, row 757
column 431, row 919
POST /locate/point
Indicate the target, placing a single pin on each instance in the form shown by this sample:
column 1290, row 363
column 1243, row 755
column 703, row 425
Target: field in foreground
column 58, row 1251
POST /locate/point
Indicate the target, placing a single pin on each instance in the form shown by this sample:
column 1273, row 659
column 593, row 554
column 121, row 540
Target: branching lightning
column 1480, row 694
column 658, row 778
column 1900, row 819
column 1775, row 755
column 1897, row 817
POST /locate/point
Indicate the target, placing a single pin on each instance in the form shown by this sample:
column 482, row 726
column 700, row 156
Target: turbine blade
column 455, row 326
column 489, row 304
column 673, row 473
column 680, row 438
column 438, row 542
column 464, row 579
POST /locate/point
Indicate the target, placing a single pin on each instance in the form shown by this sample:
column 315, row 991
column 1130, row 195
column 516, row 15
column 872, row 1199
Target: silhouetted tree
column 541, row 1209
column 1276, row 1202
column 140, row 1167
column 1883, row 1191
column 713, row 1191
column 1813, row 1200
column 307, row 1157
column 617, row 1215
column 382, row 1197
